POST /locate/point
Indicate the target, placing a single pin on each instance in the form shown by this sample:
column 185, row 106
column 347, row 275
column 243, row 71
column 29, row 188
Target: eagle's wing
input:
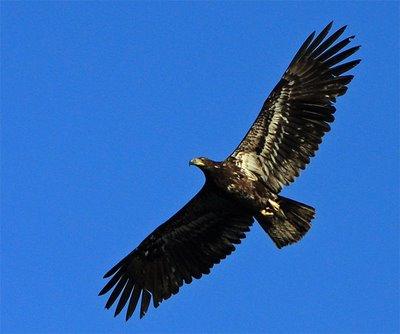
column 186, row 246
column 298, row 111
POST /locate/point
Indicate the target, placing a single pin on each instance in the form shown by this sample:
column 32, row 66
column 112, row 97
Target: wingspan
column 186, row 246
column 297, row 113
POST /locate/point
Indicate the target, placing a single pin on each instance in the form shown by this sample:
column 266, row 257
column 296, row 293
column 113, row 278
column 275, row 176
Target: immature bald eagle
column 246, row 185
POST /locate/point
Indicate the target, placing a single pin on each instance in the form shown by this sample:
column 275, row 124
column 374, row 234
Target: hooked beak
column 196, row 162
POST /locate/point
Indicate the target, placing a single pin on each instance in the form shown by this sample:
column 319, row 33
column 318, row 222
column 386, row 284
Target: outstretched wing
column 298, row 111
column 186, row 246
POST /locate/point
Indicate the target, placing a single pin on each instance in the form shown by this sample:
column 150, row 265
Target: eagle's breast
column 235, row 183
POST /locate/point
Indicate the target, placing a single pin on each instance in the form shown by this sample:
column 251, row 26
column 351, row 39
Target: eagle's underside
column 285, row 135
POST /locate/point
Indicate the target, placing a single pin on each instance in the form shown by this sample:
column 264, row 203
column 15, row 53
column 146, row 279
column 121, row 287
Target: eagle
column 246, row 185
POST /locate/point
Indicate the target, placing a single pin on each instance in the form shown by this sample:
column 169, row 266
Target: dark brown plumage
column 286, row 133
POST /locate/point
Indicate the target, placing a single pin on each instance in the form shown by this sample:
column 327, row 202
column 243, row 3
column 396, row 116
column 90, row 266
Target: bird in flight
column 246, row 185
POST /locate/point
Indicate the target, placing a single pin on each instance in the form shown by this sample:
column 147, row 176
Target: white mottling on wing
column 250, row 164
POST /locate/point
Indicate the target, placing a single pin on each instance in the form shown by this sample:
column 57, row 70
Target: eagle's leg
column 273, row 207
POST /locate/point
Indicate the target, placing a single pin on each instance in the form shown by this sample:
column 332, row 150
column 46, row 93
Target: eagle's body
column 233, row 182
column 246, row 185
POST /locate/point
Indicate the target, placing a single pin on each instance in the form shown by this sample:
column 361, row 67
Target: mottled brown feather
column 297, row 113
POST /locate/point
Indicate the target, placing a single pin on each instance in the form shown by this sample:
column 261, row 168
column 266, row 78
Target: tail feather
column 288, row 225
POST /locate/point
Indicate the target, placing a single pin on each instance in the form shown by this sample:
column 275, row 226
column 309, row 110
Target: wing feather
column 187, row 246
column 298, row 112
column 133, row 300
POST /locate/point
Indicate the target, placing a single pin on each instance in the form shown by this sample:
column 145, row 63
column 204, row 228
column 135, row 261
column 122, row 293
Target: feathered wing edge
column 187, row 246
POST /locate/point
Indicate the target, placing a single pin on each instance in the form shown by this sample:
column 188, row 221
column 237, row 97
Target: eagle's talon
column 275, row 205
column 266, row 213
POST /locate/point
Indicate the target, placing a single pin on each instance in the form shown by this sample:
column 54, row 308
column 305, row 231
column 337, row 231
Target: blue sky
column 103, row 105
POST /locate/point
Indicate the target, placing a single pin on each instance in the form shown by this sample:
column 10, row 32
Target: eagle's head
column 204, row 164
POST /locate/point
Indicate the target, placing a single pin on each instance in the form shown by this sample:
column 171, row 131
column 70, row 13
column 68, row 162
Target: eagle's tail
column 288, row 222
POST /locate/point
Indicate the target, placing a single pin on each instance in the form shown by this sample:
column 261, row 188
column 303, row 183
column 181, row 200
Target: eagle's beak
column 196, row 162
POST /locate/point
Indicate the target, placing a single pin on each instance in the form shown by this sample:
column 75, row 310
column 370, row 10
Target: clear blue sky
column 103, row 106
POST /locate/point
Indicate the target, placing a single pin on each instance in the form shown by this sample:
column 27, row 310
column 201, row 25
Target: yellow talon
column 266, row 213
column 274, row 205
